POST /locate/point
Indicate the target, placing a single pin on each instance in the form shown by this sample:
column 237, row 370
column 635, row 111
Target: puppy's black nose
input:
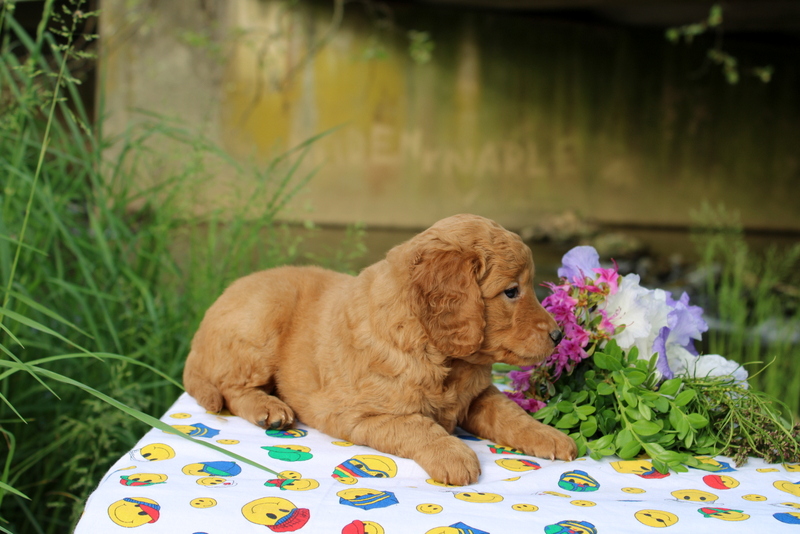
column 556, row 335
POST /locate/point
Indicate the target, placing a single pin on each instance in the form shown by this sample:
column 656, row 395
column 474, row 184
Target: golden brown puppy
column 393, row 358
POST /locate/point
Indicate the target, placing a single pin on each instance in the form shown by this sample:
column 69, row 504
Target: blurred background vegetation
column 106, row 265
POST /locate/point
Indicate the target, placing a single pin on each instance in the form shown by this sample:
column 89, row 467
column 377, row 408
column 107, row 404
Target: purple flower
column 529, row 405
column 686, row 323
column 521, row 380
column 578, row 264
column 660, row 347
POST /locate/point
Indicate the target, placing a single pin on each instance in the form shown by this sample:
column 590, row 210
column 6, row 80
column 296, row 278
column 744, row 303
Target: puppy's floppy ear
column 447, row 299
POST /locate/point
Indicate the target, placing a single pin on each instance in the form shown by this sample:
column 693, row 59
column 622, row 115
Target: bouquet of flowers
column 627, row 379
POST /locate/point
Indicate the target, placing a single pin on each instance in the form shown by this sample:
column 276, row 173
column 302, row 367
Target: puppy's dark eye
column 512, row 292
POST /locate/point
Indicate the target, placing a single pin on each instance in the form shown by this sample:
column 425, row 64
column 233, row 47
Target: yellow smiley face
column 429, row 508
column 793, row 488
column 518, row 465
column 371, row 527
column 268, row 511
column 301, row 484
column 523, row 507
column 470, row 496
column 180, row 416
column 355, row 493
column 342, row 443
column 143, row 479
column 153, row 453
column 555, row 494
column 134, row 512
column 633, row 490
column 694, row 496
column 721, row 482
column 792, row 468
column 444, row 530
column 791, row 505
column 767, row 470
column 213, row 482
column 753, row 497
column 584, row 504
column 724, row 514
column 203, row 502
column 633, row 467
column 228, row 441
column 656, row 518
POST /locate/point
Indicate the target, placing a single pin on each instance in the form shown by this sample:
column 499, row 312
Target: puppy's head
column 471, row 288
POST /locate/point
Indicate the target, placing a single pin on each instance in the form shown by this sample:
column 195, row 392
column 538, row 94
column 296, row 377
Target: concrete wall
column 514, row 118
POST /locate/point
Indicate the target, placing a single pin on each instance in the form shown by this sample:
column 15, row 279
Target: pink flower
column 521, row 380
column 529, row 405
column 609, row 277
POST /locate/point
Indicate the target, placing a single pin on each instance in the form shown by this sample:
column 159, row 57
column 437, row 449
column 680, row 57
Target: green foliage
column 716, row 55
column 105, row 271
column 614, row 405
column 753, row 297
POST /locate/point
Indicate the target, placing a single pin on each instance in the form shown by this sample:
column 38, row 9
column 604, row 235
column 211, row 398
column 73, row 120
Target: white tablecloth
column 172, row 486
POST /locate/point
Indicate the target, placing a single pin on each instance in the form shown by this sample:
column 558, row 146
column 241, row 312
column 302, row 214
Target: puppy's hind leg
column 204, row 391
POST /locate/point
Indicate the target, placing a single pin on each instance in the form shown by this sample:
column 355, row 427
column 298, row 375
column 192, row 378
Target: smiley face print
column 203, row 502
column 478, row 497
column 364, row 466
column 694, row 496
column 656, row 518
column 134, row 512
column 429, row 508
column 725, row 514
column 276, row 513
column 143, row 479
column 153, row 453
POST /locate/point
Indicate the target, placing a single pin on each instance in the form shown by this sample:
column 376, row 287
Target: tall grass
column 99, row 301
column 753, row 299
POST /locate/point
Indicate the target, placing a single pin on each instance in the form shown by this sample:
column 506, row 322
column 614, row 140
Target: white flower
column 629, row 307
column 712, row 365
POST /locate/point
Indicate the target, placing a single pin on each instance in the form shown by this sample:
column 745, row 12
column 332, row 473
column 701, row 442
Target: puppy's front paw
column 548, row 442
column 449, row 461
column 271, row 413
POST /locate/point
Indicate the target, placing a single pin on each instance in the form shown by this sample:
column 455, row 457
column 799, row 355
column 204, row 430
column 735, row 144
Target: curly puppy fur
column 393, row 358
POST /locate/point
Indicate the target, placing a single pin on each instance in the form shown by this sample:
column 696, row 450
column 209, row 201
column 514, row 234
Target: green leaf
column 629, row 450
column 630, row 398
column 646, row 428
column 661, row 404
column 603, row 361
column 567, row 421
column 604, row 388
column 636, row 376
column 670, row 387
column 633, row 414
column 623, row 437
column 589, row 427
column 602, row 443
column 685, row 397
column 565, row 407
column 585, row 410
column 645, row 410
column 697, row 421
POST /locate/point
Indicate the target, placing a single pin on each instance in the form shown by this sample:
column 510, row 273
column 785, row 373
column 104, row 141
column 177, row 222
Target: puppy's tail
column 201, row 388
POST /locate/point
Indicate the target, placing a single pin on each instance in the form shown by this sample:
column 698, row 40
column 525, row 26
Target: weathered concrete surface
column 514, row 118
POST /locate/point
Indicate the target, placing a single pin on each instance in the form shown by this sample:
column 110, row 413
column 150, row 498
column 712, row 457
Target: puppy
column 393, row 358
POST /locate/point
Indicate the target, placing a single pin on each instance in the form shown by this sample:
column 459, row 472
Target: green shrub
column 99, row 300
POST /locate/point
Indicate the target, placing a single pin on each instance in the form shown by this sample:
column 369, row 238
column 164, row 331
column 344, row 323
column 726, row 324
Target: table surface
column 167, row 484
